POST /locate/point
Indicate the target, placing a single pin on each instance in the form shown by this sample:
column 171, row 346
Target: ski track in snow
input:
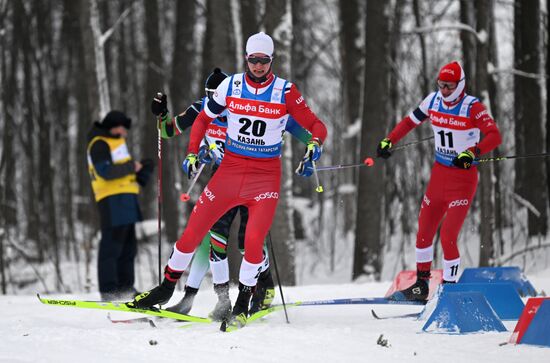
column 32, row 332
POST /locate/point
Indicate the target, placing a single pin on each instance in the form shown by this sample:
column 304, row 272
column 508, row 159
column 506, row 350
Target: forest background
column 361, row 66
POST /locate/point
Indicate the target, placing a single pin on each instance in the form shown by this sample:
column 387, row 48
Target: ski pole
column 319, row 188
column 412, row 143
column 159, row 197
column 500, row 158
column 370, row 161
column 277, row 274
column 185, row 196
column 366, row 162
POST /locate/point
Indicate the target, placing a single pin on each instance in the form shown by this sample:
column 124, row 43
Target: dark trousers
column 115, row 263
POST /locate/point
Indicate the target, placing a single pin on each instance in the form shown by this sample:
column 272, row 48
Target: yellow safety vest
column 119, row 153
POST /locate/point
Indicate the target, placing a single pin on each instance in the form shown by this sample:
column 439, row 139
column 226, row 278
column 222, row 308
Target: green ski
column 255, row 317
column 121, row 306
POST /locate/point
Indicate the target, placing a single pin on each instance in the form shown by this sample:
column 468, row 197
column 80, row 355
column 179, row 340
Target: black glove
column 383, row 149
column 159, row 105
column 464, row 160
column 145, row 172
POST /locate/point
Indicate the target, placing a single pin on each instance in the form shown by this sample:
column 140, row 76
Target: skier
column 258, row 104
column 457, row 121
column 214, row 245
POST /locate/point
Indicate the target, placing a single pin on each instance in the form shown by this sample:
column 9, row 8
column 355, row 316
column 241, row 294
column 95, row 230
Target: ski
column 132, row 321
column 257, row 316
column 411, row 315
column 121, row 306
column 349, row 301
column 360, row 301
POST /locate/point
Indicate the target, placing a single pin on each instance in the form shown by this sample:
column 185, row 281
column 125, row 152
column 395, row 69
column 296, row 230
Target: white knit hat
column 259, row 43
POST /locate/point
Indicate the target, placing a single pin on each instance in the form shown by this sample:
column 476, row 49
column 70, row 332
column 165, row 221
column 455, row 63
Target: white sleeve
column 221, row 91
column 420, row 113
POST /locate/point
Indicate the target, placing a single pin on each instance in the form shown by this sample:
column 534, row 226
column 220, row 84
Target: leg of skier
column 265, row 289
column 261, row 213
column 219, row 265
column 214, row 201
column 461, row 190
column 431, row 213
column 199, row 268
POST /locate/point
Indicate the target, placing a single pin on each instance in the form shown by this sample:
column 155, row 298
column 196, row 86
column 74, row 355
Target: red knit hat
column 451, row 72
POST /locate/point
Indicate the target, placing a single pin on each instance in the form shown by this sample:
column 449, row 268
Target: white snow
column 32, row 332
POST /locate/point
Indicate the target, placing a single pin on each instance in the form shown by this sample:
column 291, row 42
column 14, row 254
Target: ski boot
column 159, row 295
column 186, row 303
column 419, row 291
column 222, row 310
column 240, row 310
column 264, row 294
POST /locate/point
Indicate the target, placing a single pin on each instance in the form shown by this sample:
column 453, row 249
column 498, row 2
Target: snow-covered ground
column 32, row 332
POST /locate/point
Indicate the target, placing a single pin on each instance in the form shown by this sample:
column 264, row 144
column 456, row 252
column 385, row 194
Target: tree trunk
column 30, row 141
column 350, row 51
column 154, row 82
column 282, row 229
column 530, row 173
column 181, row 95
column 468, row 42
column 495, row 99
column 418, row 14
column 249, row 19
column 99, row 56
column 368, row 243
column 219, row 42
column 87, row 102
column 8, row 201
column 486, row 246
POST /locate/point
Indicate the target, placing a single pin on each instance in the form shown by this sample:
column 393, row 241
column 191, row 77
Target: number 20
column 258, row 127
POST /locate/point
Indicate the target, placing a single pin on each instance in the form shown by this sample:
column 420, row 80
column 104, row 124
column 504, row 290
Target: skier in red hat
column 458, row 120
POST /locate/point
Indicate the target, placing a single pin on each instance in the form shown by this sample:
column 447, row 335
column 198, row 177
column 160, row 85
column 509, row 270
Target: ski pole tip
column 369, row 162
column 184, row 197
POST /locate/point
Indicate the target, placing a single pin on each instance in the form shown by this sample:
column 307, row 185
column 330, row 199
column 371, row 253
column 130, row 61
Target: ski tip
column 374, row 314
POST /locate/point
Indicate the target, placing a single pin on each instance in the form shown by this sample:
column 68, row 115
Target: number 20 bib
column 255, row 123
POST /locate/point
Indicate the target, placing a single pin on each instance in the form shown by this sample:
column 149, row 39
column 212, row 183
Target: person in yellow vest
column 116, row 179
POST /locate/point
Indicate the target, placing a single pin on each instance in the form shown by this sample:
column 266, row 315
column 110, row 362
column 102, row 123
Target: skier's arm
column 413, row 119
column 103, row 162
column 212, row 109
column 401, row 129
column 296, row 130
column 171, row 127
column 488, row 127
column 299, row 110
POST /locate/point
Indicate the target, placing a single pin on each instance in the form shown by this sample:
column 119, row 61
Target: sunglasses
column 256, row 60
column 451, row 86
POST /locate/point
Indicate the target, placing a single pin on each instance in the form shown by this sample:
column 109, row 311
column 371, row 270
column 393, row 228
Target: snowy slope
column 32, row 332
